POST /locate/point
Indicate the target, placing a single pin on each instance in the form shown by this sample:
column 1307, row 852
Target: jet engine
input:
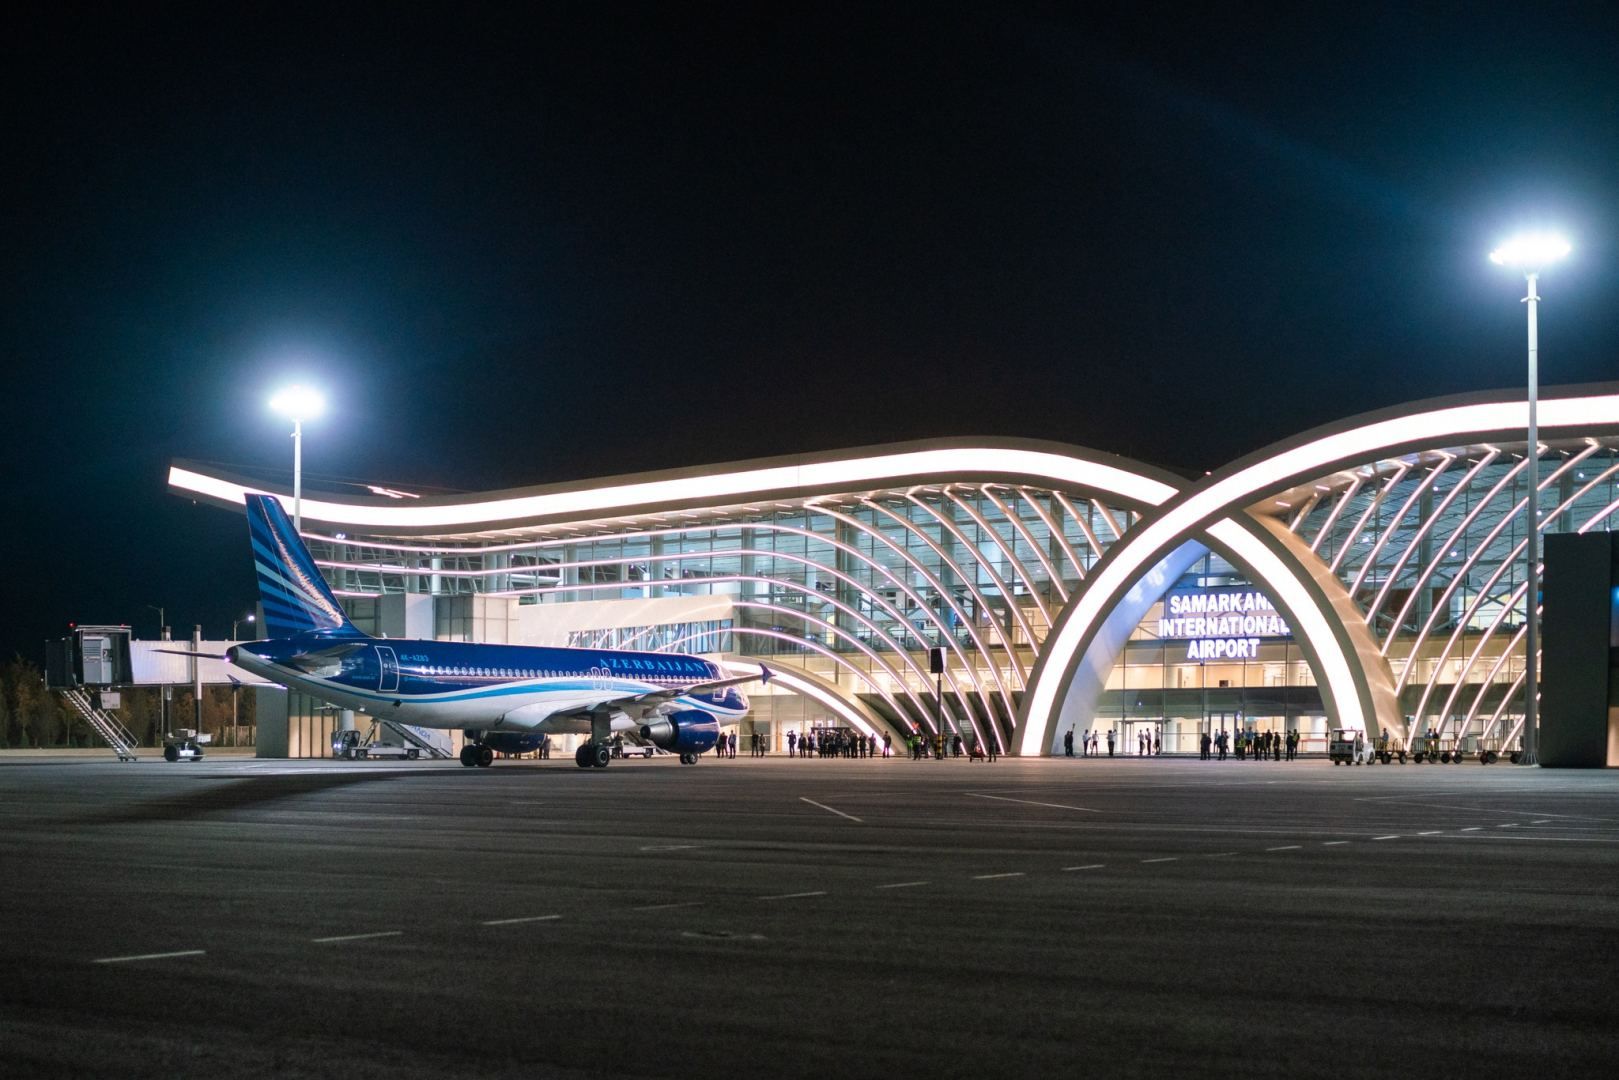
column 691, row 731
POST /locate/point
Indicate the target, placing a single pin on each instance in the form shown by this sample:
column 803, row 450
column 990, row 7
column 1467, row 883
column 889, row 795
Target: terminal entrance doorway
column 1134, row 730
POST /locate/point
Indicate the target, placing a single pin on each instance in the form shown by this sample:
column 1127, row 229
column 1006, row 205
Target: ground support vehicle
column 622, row 749
column 349, row 744
column 1387, row 752
column 1348, row 746
column 1489, row 751
column 1436, row 750
column 184, row 744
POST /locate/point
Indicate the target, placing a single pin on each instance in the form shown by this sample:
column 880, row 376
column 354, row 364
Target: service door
column 388, row 668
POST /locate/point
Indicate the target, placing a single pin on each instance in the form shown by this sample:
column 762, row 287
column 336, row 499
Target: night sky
column 579, row 240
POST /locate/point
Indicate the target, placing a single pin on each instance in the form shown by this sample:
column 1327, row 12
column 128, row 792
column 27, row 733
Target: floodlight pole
column 297, row 475
column 1531, row 709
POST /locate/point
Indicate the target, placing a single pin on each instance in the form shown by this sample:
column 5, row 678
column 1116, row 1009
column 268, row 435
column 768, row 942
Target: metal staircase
column 106, row 724
column 422, row 739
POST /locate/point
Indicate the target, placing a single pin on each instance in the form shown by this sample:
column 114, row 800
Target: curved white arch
column 805, row 475
column 1238, row 486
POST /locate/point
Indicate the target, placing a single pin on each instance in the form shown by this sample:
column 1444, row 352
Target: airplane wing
column 654, row 698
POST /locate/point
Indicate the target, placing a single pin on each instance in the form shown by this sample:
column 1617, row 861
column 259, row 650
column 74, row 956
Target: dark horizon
column 524, row 248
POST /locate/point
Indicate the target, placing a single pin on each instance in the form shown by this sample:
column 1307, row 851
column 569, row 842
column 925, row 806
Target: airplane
column 504, row 698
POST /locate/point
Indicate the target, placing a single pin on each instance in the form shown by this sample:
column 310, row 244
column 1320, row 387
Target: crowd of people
column 838, row 743
column 1244, row 745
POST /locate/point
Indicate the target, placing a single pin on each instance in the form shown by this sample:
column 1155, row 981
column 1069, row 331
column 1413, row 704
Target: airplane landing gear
column 688, row 759
column 469, row 754
column 593, row 755
column 481, row 756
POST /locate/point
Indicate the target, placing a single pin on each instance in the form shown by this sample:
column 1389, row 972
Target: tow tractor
column 1348, row 747
column 185, row 744
column 347, row 743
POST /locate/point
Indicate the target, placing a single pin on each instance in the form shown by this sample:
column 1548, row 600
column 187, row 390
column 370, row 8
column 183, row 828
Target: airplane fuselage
column 455, row 685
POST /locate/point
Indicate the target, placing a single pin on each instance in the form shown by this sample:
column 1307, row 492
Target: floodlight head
column 299, row 403
column 1531, row 251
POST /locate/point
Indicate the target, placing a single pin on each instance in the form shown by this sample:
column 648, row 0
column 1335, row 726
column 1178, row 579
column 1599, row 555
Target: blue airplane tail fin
column 296, row 598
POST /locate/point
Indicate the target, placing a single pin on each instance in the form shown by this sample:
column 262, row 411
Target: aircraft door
column 387, row 669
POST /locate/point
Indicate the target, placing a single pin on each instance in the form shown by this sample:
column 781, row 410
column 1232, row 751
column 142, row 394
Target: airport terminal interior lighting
column 298, row 403
column 1531, row 252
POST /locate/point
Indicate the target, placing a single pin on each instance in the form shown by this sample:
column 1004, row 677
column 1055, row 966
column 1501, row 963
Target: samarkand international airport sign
column 1221, row 624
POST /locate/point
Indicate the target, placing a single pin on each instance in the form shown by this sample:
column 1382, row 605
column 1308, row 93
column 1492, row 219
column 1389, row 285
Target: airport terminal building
column 1368, row 574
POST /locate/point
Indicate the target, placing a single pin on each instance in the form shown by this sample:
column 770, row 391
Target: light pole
column 298, row 403
column 163, row 696
column 1530, row 253
column 236, row 687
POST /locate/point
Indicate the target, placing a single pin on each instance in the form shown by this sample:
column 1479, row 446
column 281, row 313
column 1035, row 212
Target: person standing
column 1157, row 743
column 1203, row 746
column 989, row 750
column 1068, row 743
column 1110, row 734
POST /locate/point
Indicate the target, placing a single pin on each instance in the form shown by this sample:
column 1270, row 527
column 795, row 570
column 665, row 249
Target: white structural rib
column 1337, row 508
column 1371, row 507
column 1417, row 491
column 1083, row 522
column 1423, row 530
column 1008, row 548
column 1484, row 595
column 945, row 596
column 1435, row 564
column 1009, row 613
column 1061, row 540
column 1459, row 578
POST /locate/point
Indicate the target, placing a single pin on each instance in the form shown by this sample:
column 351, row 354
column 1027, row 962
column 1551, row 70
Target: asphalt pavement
column 817, row 918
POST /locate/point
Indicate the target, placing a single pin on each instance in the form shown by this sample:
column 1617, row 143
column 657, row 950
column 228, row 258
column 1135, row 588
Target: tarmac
column 790, row 918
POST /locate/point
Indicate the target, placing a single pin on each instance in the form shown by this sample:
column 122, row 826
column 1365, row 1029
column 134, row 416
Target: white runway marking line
column 1222, row 854
column 823, row 806
column 992, row 877
column 1474, row 828
column 1333, row 843
column 521, row 919
column 1395, row 836
column 1542, row 821
column 355, row 937
column 903, row 885
column 668, row 847
column 1510, row 824
column 1290, row 847
column 1033, row 802
column 1087, row 866
column 794, row 895
column 1166, row 858
column 149, row 956
column 669, row 907
column 1432, row 832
